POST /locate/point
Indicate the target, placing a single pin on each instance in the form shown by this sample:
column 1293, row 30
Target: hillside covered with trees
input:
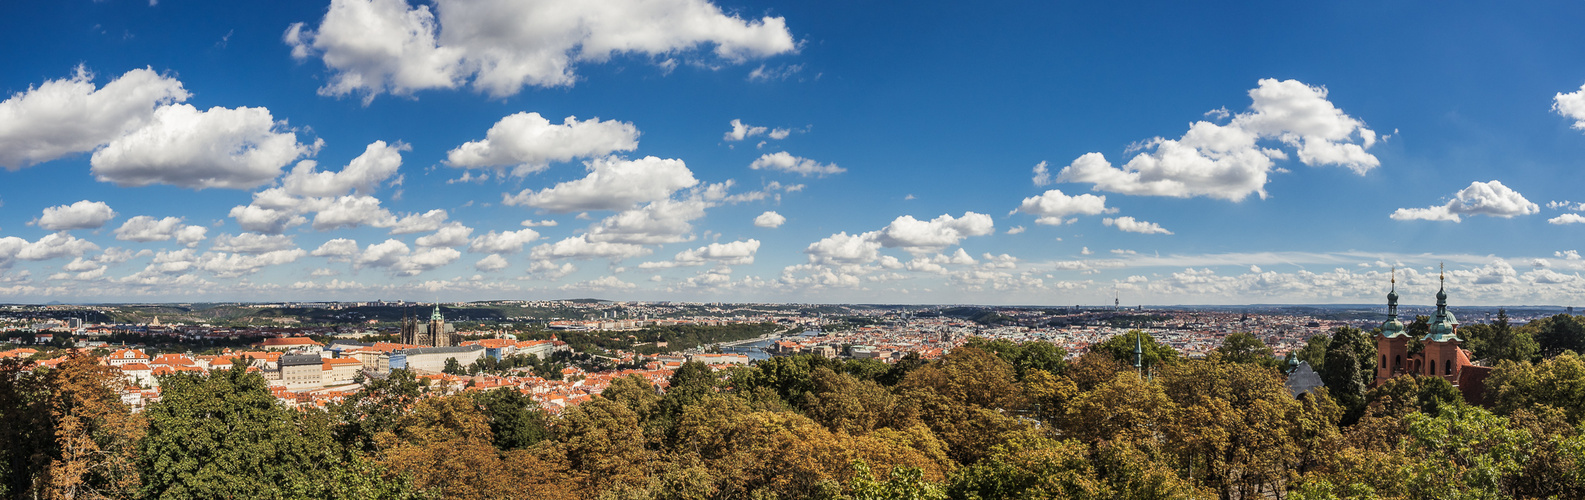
column 992, row 419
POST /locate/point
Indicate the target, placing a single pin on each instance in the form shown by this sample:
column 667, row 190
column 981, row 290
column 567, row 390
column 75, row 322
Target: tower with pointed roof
column 1392, row 344
column 1139, row 353
column 438, row 336
column 1443, row 357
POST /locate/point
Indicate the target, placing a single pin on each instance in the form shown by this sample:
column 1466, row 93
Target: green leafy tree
column 1121, row 348
column 1344, row 373
column 26, row 435
column 1415, row 393
column 844, row 403
column 516, row 421
column 222, row 436
column 905, row 483
column 1499, row 341
column 1558, row 333
column 1024, row 356
column 900, row 369
column 1031, row 466
column 1127, row 408
column 1558, row 382
column 375, row 408
column 1095, row 368
column 453, row 367
column 1463, row 452
column 1314, row 351
column 1245, row 347
column 1239, row 429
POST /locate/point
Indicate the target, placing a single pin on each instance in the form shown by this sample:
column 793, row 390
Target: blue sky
column 1259, row 153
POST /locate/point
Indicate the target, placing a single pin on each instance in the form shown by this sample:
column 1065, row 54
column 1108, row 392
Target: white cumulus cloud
column 916, row 236
column 220, row 148
column 252, row 243
column 529, row 143
column 353, row 211
column 1567, row 219
column 842, row 248
column 726, row 254
column 337, row 249
column 769, row 219
column 51, row 246
column 612, row 184
column 742, row 131
column 1480, row 198
column 377, row 46
column 1571, row 106
column 664, row 221
column 502, row 242
column 1052, row 207
column 81, row 215
column 1042, row 175
column 70, row 115
column 450, row 235
column 579, row 247
column 1129, row 224
column 788, row 163
column 491, row 263
column 378, row 162
column 1226, row 161
column 146, row 228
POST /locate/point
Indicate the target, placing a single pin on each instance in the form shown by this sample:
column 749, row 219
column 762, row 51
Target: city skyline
column 791, row 152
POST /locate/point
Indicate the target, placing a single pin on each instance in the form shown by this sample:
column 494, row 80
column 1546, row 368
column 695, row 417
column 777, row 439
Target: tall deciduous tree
column 221, row 436
column 1558, row 333
column 1314, row 352
column 1121, row 348
column 96, row 435
column 375, row 408
column 1349, row 367
column 516, row 421
column 25, row 432
column 1244, row 347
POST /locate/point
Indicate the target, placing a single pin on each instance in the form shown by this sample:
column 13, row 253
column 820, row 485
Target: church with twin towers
column 1441, row 354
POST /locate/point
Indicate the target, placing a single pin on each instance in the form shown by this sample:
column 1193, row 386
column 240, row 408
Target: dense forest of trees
column 992, row 419
column 677, row 337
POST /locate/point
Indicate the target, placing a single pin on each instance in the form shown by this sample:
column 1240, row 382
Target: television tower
column 1117, row 300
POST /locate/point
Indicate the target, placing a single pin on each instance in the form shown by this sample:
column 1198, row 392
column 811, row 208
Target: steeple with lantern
column 1392, row 328
column 1444, row 327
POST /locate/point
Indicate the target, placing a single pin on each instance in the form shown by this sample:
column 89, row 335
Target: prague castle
column 436, row 333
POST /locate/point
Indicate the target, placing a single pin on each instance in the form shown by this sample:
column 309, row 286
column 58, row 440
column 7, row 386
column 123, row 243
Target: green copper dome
column 1443, row 326
column 1392, row 327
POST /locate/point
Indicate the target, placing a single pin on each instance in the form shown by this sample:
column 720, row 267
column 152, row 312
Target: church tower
column 1392, row 344
column 1441, row 344
column 437, row 330
column 409, row 328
